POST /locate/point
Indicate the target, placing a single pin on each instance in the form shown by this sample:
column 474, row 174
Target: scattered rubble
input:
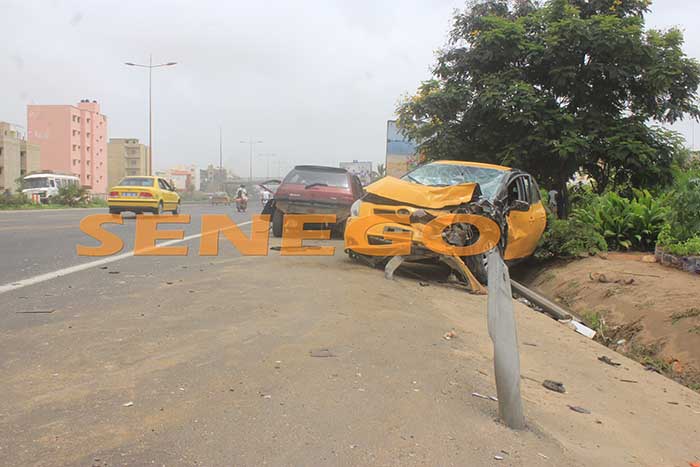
column 450, row 335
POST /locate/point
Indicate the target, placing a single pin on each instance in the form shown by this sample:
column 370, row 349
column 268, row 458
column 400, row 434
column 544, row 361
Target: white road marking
column 82, row 267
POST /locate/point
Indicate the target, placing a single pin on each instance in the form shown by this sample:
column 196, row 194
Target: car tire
column 114, row 211
column 176, row 211
column 277, row 223
column 478, row 265
column 159, row 210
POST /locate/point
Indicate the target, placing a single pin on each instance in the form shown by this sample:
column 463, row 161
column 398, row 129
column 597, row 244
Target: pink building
column 73, row 140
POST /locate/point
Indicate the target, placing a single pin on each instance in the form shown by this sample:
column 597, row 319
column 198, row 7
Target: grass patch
column 680, row 315
column 594, row 320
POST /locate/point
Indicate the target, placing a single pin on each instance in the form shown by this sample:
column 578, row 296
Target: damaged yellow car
column 507, row 196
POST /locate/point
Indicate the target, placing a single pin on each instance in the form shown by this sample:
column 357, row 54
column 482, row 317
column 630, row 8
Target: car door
column 525, row 218
column 167, row 193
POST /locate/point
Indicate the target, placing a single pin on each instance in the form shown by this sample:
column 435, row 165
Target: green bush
column 13, row 200
column 690, row 247
column 684, row 204
column 71, row 195
column 568, row 239
column 625, row 223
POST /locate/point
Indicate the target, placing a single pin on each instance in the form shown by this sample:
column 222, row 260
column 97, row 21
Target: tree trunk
column 563, row 200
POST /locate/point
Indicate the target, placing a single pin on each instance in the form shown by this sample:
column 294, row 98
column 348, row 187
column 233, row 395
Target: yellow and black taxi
column 141, row 194
column 508, row 196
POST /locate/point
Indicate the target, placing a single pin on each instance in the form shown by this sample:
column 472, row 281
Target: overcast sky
column 314, row 80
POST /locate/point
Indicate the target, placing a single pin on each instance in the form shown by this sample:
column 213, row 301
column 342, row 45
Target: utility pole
column 252, row 144
column 150, row 67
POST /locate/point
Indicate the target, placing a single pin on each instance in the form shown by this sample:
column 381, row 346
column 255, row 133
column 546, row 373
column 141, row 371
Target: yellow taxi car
column 141, row 194
column 507, row 196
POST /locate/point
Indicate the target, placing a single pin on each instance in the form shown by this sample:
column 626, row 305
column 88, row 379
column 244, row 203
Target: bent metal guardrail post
column 503, row 333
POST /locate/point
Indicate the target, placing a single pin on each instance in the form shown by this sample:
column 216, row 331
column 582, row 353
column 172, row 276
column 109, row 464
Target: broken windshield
column 448, row 175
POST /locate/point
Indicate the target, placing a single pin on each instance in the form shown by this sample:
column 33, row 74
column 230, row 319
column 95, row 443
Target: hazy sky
column 314, row 80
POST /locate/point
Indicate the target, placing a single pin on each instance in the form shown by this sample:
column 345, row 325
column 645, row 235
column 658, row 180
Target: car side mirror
column 520, row 205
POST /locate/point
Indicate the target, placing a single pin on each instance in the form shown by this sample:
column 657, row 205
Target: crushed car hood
column 432, row 197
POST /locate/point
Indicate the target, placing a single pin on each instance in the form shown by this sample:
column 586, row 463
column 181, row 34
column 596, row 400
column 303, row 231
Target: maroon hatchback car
column 314, row 189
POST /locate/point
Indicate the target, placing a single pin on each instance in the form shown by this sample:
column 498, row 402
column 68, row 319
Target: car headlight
column 355, row 208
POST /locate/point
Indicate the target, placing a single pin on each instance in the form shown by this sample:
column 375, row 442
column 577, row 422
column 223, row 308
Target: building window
column 75, row 147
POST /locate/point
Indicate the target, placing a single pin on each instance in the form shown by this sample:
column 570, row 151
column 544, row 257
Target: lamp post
column 268, row 156
column 252, row 143
column 150, row 67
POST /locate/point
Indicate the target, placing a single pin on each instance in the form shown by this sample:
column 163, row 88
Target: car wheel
column 176, row 211
column 277, row 223
column 478, row 265
column 114, row 211
column 159, row 210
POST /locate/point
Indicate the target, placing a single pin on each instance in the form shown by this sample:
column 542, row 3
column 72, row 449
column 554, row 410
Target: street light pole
column 252, row 143
column 221, row 159
column 150, row 67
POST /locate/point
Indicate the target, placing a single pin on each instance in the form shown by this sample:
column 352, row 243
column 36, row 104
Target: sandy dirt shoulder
column 219, row 368
column 622, row 289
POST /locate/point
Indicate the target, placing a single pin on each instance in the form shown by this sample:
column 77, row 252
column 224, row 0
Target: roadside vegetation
column 68, row 197
column 639, row 221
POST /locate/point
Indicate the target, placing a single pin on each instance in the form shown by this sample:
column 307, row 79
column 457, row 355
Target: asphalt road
column 280, row 360
column 38, row 242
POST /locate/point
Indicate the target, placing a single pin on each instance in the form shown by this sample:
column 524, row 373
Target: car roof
column 473, row 164
column 140, row 176
column 320, row 168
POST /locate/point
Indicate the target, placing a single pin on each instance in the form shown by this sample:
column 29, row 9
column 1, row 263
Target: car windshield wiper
column 413, row 179
column 315, row 184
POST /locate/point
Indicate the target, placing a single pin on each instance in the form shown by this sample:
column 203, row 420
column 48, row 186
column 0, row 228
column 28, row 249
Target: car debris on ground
column 607, row 360
column 578, row 409
column 555, row 386
column 321, row 353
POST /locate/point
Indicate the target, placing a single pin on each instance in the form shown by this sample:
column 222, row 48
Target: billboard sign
column 401, row 153
column 363, row 170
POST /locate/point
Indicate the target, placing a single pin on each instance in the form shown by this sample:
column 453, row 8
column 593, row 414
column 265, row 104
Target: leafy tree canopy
column 557, row 87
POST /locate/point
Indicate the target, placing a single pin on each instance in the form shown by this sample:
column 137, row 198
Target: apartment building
column 72, row 140
column 125, row 157
column 17, row 156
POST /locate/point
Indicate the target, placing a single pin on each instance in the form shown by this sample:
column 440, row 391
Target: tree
column 557, row 87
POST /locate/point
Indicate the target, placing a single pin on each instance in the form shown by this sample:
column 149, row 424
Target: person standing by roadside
column 553, row 202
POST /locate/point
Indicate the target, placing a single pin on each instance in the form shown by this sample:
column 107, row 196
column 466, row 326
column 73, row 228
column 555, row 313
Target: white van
column 46, row 185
